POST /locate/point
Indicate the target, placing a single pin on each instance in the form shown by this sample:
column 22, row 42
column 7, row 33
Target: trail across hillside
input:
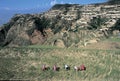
column 104, row 45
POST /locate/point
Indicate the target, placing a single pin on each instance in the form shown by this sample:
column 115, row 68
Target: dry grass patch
column 26, row 63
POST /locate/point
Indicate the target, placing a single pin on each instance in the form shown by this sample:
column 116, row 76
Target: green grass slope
column 25, row 64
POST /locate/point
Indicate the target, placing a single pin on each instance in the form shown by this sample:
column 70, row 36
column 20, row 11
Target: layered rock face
column 63, row 25
column 83, row 14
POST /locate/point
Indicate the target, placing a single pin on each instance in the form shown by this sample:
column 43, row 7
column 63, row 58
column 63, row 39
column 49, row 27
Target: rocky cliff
column 64, row 25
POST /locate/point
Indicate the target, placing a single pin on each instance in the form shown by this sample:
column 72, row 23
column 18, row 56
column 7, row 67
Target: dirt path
column 104, row 45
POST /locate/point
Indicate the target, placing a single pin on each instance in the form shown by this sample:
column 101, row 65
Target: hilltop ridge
column 64, row 25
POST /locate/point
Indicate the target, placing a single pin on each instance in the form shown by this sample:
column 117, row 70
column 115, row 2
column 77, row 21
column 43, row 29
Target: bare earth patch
column 104, row 45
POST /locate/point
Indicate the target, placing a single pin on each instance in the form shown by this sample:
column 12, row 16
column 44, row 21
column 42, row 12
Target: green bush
column 96, row 23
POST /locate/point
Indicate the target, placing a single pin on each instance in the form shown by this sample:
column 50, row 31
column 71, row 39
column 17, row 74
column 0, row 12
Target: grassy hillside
column 25, row 64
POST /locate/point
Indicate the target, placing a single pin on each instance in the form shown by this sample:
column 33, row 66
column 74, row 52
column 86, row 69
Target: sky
column 30, row 4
